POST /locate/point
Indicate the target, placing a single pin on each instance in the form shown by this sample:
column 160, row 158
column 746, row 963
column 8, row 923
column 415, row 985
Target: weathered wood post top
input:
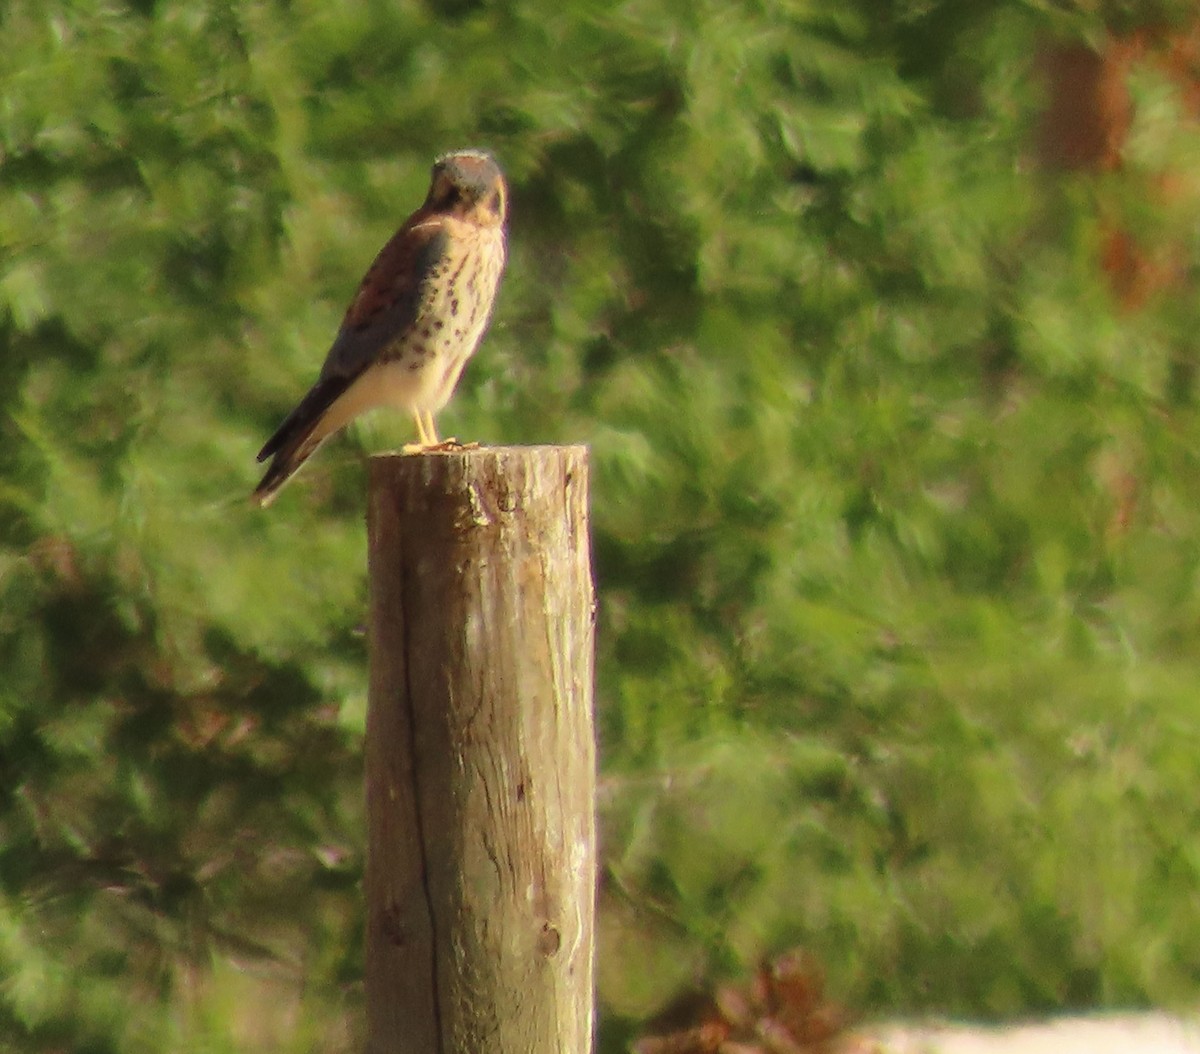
column 480, row 762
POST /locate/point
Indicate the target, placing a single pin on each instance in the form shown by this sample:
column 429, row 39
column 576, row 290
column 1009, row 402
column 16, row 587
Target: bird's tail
column 297, row 439
column 284, row 465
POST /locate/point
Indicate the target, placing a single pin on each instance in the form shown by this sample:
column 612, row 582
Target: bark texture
column 480, row 754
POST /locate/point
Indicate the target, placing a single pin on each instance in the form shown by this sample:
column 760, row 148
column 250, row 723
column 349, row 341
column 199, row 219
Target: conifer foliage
column 880, row 320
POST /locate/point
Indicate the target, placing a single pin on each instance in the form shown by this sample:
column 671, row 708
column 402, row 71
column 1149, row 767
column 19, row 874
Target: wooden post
column 479, row 757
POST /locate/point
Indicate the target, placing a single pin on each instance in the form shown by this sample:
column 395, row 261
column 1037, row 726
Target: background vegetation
column 879, row 317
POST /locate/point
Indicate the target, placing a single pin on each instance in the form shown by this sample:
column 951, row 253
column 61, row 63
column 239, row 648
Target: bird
column 418, row 316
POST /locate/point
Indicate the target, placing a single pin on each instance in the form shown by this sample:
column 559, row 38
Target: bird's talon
column 442, row 446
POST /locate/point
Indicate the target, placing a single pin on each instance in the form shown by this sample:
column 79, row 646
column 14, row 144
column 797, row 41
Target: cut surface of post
column 480, row 760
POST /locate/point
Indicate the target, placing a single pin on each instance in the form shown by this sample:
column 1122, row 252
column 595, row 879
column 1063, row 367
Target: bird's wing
column 386, row 305
column 389, row 298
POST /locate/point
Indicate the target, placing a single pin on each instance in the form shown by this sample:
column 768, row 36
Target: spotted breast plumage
column 417, row 318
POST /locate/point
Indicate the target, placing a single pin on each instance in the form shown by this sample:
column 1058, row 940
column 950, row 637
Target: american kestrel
column 417, row 317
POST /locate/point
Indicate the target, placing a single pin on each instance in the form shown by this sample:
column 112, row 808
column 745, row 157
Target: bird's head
column 469, row 185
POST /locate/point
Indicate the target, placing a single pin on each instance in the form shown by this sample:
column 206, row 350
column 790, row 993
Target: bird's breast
column 455, row 301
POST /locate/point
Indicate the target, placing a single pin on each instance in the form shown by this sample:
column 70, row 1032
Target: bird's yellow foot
column 440, row 447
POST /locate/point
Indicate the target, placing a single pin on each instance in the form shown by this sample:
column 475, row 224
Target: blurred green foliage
column 897, row 512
